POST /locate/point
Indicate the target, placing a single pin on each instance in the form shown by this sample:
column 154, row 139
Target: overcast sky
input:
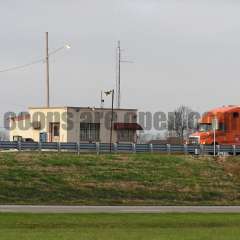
column 184, row 52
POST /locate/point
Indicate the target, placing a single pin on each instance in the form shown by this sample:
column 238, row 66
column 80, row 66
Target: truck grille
column 194, row 140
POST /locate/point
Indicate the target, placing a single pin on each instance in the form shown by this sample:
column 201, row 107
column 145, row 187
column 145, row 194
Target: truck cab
column 227, row 127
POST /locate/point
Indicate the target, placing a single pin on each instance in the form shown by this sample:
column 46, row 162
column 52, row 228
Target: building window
column 222, row 127
column 17, row 138
column 235, row 115
column 89, row 131
column 36, row 125
column 126, row 135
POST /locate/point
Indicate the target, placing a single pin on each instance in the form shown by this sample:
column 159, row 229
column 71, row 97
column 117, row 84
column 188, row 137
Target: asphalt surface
column 118, row 209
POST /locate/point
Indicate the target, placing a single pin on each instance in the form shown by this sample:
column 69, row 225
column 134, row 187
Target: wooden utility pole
column 119, row 61
column 119, row 75
column 47, row 73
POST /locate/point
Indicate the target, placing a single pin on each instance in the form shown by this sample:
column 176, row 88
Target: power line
column 21, row 66
column 42, row 60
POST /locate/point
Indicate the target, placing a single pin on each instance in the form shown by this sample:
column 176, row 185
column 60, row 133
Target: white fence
column 118, row 148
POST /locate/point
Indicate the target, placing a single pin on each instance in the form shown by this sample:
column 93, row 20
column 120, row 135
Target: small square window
column 235, row 115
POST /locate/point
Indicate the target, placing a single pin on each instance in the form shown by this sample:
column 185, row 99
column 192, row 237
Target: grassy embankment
column 141, row 179
column 120, row 226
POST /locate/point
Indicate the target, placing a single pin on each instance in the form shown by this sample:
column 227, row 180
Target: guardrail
column 119, row 148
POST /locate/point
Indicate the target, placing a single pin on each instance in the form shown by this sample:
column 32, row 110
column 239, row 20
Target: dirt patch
column 232, row 169
column 106, row 185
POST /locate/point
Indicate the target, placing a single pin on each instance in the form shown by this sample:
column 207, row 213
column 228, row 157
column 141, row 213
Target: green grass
column 120, row 226
column 134, row 179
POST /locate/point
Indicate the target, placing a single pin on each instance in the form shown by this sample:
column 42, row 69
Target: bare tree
column 182, row 122
column 145, row 137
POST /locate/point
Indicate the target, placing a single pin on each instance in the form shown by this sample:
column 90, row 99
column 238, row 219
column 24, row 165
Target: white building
column 75, row 124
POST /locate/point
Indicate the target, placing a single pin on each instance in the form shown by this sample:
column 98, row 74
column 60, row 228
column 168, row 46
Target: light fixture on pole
column 107, row 93
column 102, row 100
column 67, row 46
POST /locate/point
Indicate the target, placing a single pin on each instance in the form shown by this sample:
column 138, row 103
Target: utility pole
column 47, row 73
column 120, row 59
column 119, row 75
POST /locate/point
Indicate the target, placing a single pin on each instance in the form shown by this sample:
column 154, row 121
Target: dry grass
column 49, row 178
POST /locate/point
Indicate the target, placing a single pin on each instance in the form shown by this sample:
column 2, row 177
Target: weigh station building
column 75, row 124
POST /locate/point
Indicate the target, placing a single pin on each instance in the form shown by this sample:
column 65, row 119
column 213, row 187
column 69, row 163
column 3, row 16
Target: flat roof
column 85, row 108
column 225, row 109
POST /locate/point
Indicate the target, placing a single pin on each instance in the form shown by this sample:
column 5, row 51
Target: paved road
column 118, row 209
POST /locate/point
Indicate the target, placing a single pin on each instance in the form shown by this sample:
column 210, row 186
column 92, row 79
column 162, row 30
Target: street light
column 107, row 93
column 67, row 46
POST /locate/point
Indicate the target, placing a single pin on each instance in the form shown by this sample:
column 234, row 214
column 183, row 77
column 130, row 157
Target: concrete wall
column 16, row 129
column 102, row 116
column 44, row 116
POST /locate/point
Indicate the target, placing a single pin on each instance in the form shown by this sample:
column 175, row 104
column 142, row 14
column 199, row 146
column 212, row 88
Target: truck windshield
column 205, row 127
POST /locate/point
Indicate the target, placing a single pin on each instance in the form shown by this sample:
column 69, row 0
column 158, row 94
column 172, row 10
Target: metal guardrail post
column 218, row 150
column 19, row 146
column 169, row 148
column 59, row 147
column 78, row 148
column 234, row 150
column 115, row 147
column 151, row 147
column 39, row 146
column 97, row 148
column 185, row 148
column 201, row 149
column 133, row 147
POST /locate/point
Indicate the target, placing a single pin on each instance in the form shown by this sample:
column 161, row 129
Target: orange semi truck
column 227, row 122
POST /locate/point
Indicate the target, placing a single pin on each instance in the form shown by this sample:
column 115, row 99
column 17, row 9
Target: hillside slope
column 141, row 179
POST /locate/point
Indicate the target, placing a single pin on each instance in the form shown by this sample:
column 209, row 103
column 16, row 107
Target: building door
column 54, row 132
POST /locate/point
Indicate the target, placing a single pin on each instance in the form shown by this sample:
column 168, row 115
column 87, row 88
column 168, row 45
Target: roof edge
column 85, row 108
